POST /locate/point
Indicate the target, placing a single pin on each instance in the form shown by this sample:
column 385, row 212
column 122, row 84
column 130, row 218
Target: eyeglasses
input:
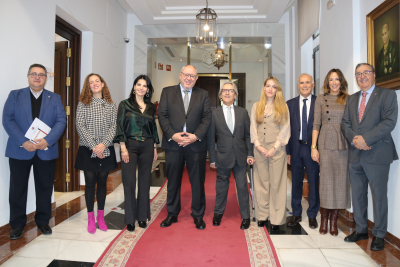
column 228, row 90
column 187, row 75
column 358, row 74
column 41, row 75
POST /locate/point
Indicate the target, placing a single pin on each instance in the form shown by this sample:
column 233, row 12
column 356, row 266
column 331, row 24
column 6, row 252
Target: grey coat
column 379, row 120
column 225, row 148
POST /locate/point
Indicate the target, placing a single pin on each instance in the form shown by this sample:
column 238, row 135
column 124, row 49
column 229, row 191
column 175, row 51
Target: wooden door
column 60, row 76
column 211, row 85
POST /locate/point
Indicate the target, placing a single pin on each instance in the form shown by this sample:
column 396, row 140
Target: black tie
column 304, row 121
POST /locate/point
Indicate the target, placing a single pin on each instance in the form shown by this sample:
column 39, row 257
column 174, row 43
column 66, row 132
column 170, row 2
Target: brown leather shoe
column 333, row 224
column 323, row 229
column 294, row 221
column 312, row 222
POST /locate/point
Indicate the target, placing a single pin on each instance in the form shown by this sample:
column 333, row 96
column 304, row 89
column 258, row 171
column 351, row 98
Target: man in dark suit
column 21, row 108
column 369, row 118
column 298, row 151
column 184, row 114
column 229, row 147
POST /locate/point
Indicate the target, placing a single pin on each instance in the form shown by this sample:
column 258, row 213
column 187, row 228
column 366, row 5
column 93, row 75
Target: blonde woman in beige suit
column 332, row 150
column 270, row 132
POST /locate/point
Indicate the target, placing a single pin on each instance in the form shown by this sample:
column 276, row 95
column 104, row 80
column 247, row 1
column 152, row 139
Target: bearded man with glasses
column 184, row 114
column 369, row 118
column 21, row 108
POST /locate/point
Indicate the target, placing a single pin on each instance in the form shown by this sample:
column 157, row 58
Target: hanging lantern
column 220, row 58
column 206, row 25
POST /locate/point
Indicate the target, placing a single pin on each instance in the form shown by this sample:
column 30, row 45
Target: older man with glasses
column 184, row 114
column 229, row 148
column 369, row 118
column 20, row 110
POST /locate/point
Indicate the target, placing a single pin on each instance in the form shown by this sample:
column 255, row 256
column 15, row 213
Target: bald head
column 305, row 84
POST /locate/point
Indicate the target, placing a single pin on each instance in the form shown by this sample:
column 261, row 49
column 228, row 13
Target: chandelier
column 206, row 25
column 220, row 58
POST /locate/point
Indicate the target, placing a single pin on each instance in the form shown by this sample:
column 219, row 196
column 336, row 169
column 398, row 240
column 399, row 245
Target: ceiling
column 183, row 11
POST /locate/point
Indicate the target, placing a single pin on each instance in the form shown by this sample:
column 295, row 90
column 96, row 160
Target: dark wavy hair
column 147, row 99
column 87, row 95
column 342, row 95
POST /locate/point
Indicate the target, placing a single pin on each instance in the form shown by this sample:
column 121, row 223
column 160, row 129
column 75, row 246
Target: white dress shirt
column 301, row 98
column 183, row 98
column 36, row 95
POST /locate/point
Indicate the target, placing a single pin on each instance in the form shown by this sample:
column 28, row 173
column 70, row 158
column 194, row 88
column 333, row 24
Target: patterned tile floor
column 71, row 245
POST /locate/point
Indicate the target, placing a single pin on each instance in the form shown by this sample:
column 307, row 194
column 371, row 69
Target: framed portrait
column 168, row 67
column 160, row 66
column 383, row 34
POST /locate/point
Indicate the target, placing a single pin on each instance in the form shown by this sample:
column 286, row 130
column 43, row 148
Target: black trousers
column 196, row 163
column 141, row 154
column 43, row 171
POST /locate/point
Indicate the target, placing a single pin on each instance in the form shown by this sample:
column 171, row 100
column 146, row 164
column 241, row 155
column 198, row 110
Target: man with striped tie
column 369, row 118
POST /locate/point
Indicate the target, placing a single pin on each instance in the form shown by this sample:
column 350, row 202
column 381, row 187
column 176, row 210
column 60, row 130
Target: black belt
column 302, row 142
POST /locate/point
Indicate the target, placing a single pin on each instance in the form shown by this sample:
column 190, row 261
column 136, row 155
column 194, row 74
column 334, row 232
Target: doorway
column 213, row 82
column 67, row 54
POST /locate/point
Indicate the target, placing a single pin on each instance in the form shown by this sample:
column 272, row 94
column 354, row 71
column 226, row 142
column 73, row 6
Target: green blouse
column 133, row 124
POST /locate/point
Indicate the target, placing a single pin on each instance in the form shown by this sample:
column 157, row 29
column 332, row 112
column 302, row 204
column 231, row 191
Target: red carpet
column 182, row 244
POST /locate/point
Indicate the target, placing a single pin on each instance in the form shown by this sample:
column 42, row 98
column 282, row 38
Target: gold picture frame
column 383, row 39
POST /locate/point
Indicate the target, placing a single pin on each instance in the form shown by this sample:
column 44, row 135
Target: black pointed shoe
column 44, row 229
column 377, row 244
column 294, row 221
column 261, row 223
column 274, row 227
column 17, row 233
column 142, row 224
column 245, row 224
column 130, row 227
column 217, row 219
column 200, row 224
column 355, row 236
column 168, row 221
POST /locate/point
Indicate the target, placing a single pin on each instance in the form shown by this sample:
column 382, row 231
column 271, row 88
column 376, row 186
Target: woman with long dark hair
column 137, row 136
column 331, row 152
column 95, row 122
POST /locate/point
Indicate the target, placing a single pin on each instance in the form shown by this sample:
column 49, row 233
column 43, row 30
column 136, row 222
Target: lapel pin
column 49, row 96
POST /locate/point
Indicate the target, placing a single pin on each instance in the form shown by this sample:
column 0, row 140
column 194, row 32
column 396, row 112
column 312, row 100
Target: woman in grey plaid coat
column 96, row 123
column 331, row 152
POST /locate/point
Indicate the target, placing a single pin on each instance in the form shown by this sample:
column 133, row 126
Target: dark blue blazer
column 17, row 118
column 292, row 147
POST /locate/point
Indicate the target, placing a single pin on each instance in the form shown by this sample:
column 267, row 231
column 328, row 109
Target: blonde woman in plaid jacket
column 96, row 123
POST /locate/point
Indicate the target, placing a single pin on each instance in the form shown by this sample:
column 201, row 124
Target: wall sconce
column 331, row 3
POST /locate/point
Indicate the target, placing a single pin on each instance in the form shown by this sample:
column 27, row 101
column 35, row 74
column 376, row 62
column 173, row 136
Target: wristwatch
column 314, row 147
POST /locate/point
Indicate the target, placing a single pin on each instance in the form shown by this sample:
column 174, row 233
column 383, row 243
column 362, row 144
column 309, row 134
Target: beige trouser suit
column 270, row 174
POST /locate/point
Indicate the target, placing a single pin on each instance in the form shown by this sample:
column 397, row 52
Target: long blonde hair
column 281, row 111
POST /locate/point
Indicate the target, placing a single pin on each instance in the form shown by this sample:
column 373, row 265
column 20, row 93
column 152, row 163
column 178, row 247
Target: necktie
column 186, row 100
column 229, row 120
column 304, row 121
column 362, row 107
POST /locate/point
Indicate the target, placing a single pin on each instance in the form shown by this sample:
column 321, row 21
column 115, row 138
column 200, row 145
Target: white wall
column 27, row 29
column 343, row 44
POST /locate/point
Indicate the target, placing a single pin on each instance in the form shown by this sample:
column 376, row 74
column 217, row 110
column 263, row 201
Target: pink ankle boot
column 100, row 220
column 91, row 223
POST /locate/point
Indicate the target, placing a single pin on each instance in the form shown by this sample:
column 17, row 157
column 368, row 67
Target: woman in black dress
column 96, row 123
column 137, row 136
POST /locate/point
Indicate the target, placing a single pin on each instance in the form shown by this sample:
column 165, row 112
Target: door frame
column 74, row 35
column 241, row 77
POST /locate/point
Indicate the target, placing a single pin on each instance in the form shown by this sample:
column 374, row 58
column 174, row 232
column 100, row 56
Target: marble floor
column 71, row 244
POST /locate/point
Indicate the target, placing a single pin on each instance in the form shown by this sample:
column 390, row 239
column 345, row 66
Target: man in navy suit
column 21, row 108
column 301, row 109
